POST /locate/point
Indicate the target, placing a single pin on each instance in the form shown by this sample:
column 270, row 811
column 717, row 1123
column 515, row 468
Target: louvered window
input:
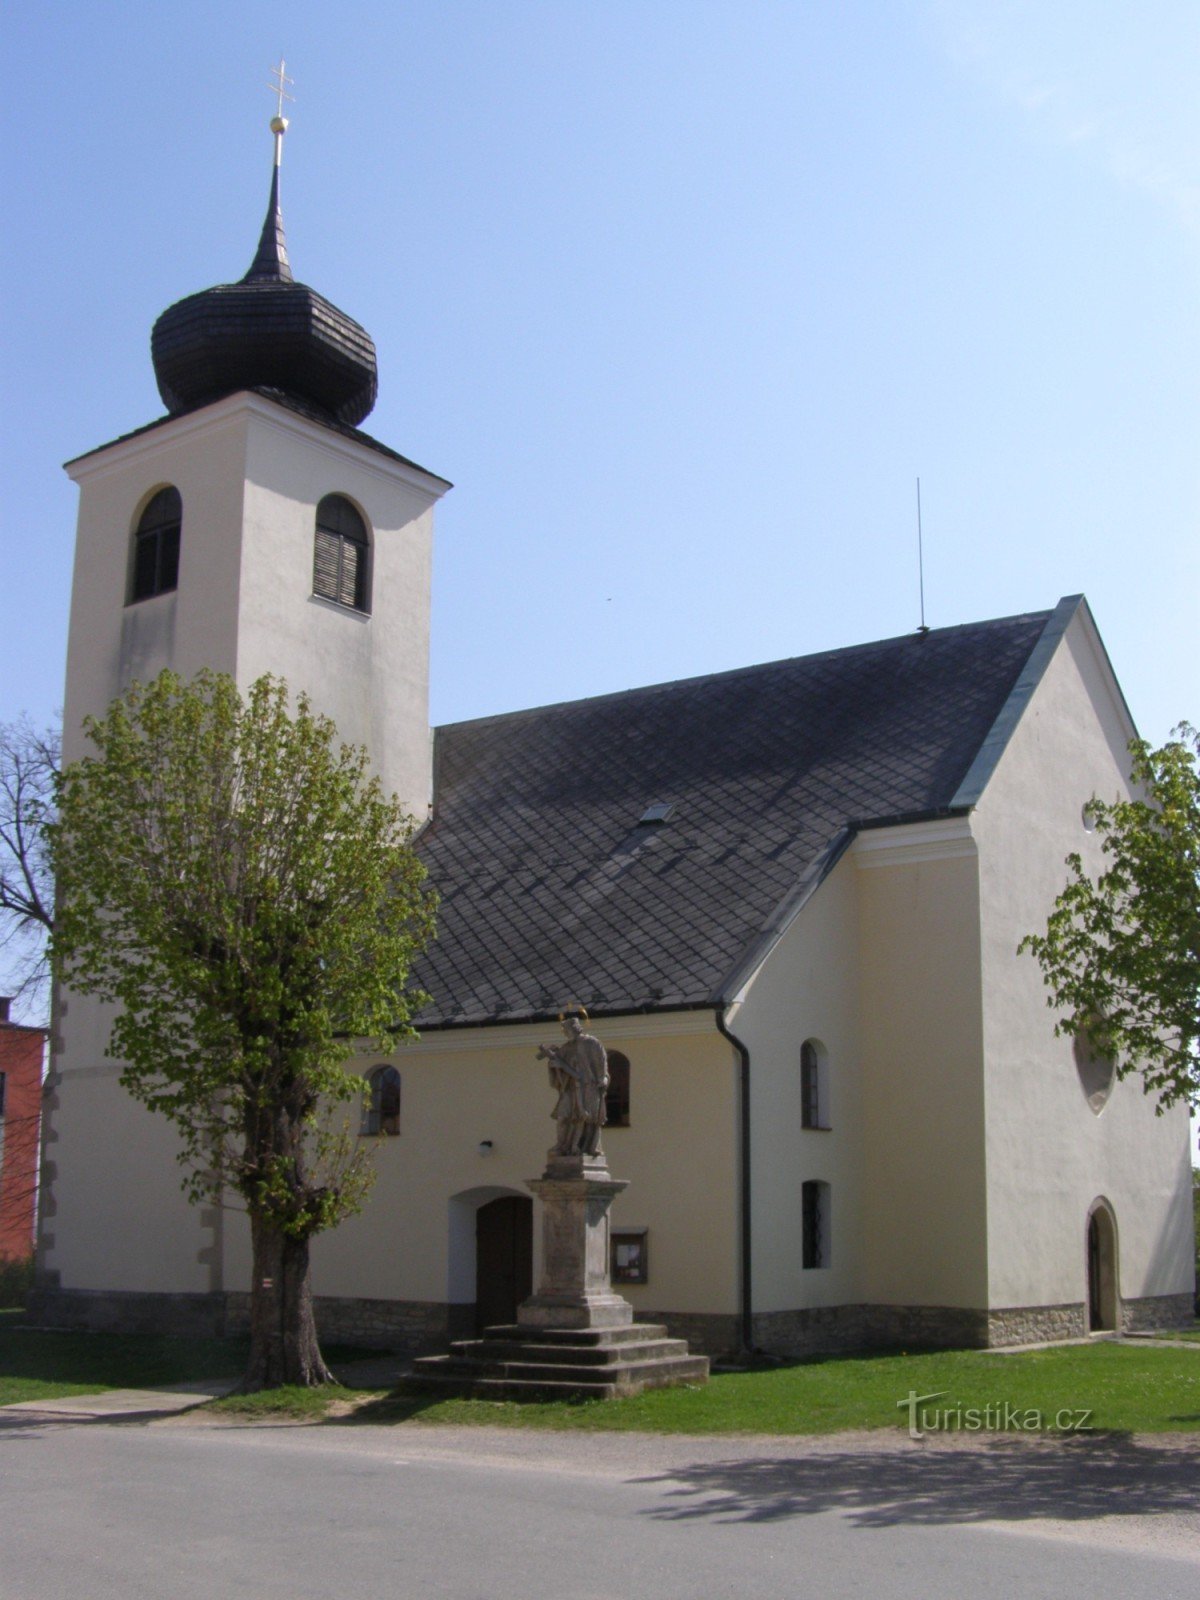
column 156, row 546
column 340, row 554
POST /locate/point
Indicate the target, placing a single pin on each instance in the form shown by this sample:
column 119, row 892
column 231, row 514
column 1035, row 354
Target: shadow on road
column 1000, row 1479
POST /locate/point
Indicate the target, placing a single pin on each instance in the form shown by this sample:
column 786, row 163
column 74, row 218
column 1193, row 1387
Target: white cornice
column 224, row 414
column 940, row 840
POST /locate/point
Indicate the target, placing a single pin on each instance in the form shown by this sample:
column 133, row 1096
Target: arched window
column 340, row 553
column 814, row 1085
column 156, row 546
column 381, row 1113
column 815, row 1207
column 616, row 1098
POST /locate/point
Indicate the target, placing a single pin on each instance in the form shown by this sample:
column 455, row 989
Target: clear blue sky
column 683, row 295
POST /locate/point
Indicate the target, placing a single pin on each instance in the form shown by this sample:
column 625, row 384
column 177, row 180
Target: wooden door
column 503, row 1259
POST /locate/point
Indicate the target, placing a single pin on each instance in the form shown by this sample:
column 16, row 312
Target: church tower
column 255, row 529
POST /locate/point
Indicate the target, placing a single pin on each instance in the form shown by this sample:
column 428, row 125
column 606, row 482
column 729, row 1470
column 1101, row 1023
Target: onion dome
column 265, row 332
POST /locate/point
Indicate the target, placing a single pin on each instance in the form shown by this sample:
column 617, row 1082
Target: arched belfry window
column 156, row 546
column 381, row 1109
column 340, row 555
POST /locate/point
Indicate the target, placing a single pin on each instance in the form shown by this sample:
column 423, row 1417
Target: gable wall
column 1048, row 1155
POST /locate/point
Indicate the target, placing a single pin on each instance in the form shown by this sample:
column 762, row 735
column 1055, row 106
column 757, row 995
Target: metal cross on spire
column 279, row 88
column 279, row 122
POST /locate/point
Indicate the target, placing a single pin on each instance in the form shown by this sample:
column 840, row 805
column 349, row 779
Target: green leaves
column 237, row 884
column 1121, row 955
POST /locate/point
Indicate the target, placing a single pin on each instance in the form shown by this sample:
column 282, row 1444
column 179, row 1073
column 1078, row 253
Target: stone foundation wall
column 708, row 1333
column 127, row 1311
column 820, row 1330
column 1036, row 1324
column 409, row 1327
column 1155, row 1311
column 414, row 1327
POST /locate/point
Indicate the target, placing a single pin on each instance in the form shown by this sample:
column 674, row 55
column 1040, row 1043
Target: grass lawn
column 41, row 1365
column 1125, row 1387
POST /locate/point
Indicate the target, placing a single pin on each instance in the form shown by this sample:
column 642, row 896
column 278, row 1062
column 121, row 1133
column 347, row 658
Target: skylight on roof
column 660, row 811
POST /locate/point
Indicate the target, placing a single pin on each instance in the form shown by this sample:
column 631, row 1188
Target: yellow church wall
column 924, row 1208
column 807, row 989
column 679, row 1155
column 121, row 1221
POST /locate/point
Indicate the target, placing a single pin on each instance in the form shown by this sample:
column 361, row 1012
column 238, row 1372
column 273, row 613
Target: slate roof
column 551, row 891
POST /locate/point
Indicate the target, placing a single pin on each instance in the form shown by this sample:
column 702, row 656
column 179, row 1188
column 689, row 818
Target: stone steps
column 516, row 1363
column 624, row 1333
column 631, row 1350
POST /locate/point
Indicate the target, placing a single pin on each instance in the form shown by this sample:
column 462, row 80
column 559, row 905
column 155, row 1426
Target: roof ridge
column 740, row 672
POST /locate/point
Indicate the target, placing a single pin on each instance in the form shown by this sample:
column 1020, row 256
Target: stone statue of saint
column 579, row 1072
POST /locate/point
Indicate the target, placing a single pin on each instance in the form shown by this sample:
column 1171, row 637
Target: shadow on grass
column 1000, row 1479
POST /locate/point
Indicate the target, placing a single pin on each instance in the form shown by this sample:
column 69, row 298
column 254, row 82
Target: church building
column 789, row 898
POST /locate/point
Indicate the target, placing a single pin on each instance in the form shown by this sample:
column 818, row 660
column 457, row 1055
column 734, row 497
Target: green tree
column 234, row 883
column 1121, row 954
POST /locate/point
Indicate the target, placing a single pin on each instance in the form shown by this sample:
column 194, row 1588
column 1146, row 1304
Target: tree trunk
column 283, row 1334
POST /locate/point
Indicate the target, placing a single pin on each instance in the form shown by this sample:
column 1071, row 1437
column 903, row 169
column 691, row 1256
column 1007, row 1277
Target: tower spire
column 271, row 262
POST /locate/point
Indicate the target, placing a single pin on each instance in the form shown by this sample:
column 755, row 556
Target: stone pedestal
column 573, row 1339
column 576, row 1289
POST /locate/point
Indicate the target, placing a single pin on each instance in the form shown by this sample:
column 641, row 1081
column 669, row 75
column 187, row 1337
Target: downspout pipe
column 746, row 1297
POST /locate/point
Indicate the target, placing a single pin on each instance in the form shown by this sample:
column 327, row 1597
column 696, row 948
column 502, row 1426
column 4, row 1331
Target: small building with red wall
column 22, row 1051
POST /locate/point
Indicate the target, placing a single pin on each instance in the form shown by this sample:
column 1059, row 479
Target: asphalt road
column 180, row 1511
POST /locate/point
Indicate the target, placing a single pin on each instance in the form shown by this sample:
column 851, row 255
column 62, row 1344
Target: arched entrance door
column 503, row 1259
column 1101, row 1269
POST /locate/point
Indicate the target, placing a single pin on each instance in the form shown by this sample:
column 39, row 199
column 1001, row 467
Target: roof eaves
column 523, row 1018
column 285, row 403
column 987, row 758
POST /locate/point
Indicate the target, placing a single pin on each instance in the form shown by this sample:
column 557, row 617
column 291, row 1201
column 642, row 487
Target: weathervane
column 279, row 122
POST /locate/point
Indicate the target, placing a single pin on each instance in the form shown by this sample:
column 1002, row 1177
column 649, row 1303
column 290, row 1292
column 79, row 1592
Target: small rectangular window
column 815, row 1207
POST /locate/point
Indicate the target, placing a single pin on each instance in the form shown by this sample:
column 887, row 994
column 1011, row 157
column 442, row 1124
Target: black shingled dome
column 265, row 332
